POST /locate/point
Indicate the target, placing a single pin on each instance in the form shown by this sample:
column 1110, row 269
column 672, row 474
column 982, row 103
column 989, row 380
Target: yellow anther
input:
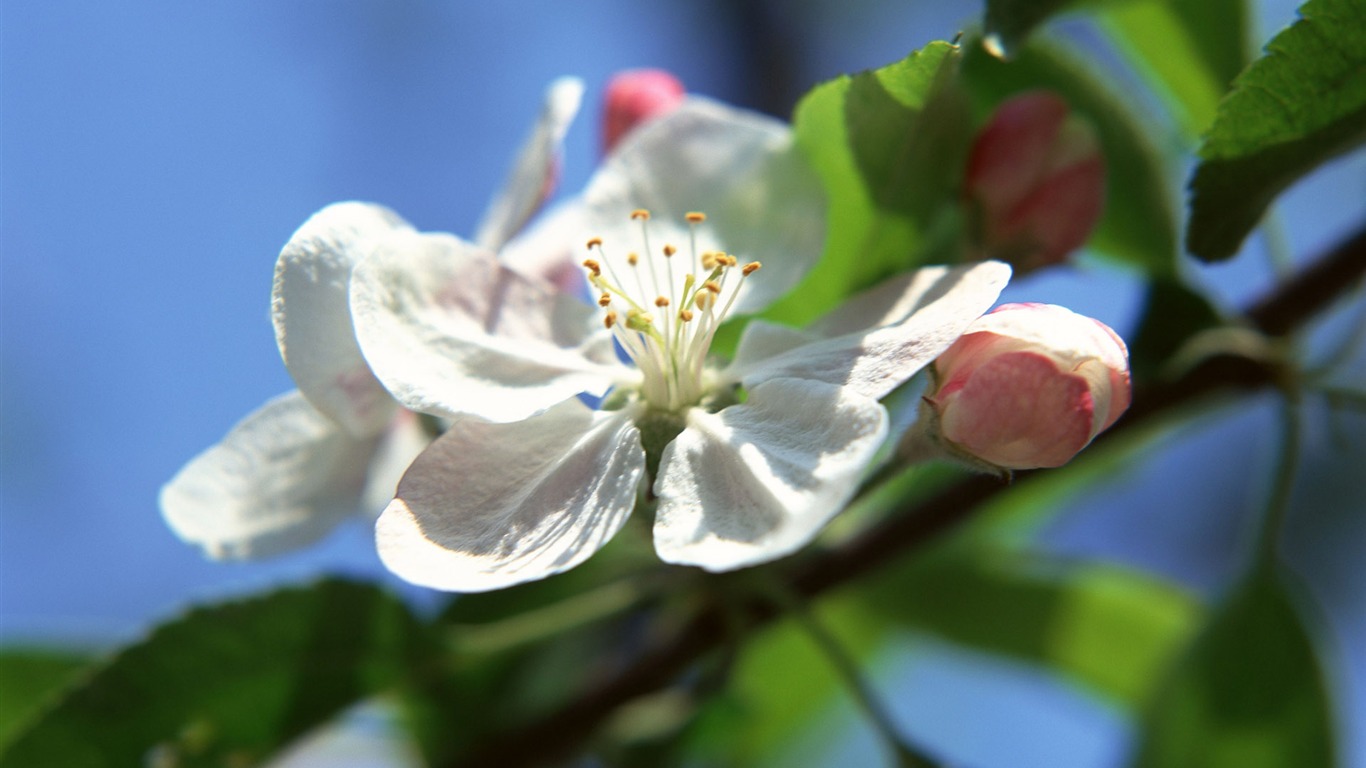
column 592, row 266
column 632, row 259
column 610, row 319
column 604, row 299
column 751, row 268
column 669, row 250
column 727, row 260
column 662, row 301
column 640, row 214
column 704, row 300
column 709, row 259
column 712, row 286
column 685, row 315
column 638, row 320
column 694, row 217
column 594, row 242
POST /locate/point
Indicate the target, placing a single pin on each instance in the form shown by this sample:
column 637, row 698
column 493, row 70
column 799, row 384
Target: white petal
column 943, row 301
column 756, row 481
column 533, row 174
column 311, row 310
column 762, row 340
column 763, row 202
column 551, row 249
column 399, row 446
column 284, row 476
column 491, row 505
column 451, row 331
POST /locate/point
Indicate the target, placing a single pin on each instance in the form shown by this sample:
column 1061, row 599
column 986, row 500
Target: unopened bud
column 634, row 97
column 1035, row 181
column 1028, row 385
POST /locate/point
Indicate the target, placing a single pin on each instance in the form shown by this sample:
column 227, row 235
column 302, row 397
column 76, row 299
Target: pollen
column 695, row 217
column 592, row 266
column 640, row 214
column 662, row 301
column 605, row 300
column 594, row 242
column 750, row 268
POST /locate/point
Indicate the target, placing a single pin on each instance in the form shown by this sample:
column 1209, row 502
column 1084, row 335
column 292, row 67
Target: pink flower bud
column 1035, row 181
column 635, row 96
column 1029, row 385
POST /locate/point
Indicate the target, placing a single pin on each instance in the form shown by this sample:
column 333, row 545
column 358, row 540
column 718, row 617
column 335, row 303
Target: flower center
column 665, row 313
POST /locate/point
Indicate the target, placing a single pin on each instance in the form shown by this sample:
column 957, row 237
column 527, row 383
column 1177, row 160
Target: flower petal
column 761, row 340
column 451, row 331
column 398, row 448
column 281, row 478
column 764, row 203
column 759, row 480
column 550, row 248
column 933, row 308
column 534, row 173
column 311, row 311
column 491, row 505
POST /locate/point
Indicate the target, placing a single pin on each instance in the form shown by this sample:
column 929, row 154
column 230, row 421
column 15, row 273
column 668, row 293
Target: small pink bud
column 1028, row 385
column 635, row 96
column 1035, row 180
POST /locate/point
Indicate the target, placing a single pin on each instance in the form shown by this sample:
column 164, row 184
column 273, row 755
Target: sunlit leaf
column 889, row 146
column 230, row 682
column 29, row 677
column 1191, row 51
column 1250, row 694
column 1298, row 106
column 1138, row 226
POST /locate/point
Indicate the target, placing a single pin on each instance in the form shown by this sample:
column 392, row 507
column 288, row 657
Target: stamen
column 694, row 217
column 594, row 242
column 750, row 268
column 712, row 286
column 669, row 250
column 662, row 301
column 633, row 258
column 593, row 266
column 610, row 319
column 605, row 300
column 685, row 315
column 640, row 214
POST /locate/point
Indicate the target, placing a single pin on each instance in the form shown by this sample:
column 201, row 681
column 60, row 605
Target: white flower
column 753, row 457
column 336, row 447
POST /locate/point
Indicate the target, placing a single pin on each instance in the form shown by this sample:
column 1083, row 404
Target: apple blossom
column 1028, row 385
column 1035, row 181
column 744, row 461
column 635, row 96
column 308, row 459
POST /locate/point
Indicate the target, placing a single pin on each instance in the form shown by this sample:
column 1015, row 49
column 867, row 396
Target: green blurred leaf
column 889, row 146
column 1298, row 106
column 1108, row 627
column 230, row 682
column 1009, row 22
column 1138, row 226
column 29, row 677
column 1172, row 314
column 1192, row 51
column 1250, row 693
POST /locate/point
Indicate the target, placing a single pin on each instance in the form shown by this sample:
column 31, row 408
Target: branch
column 561, row 732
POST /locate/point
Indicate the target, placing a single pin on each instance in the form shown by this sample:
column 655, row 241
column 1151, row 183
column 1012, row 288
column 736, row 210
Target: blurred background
column 155, row 156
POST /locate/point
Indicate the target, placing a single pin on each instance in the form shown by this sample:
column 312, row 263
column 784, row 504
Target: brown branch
column 559, row 733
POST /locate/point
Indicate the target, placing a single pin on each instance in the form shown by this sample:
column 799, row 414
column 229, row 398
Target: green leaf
column 1250, row 693
column 889, row 146
column 233, row 682
column 1009, row 22
column 29, row 677
column 1108, row 627
column 1138, row 226
column 1190, row 51
column 1295, row 108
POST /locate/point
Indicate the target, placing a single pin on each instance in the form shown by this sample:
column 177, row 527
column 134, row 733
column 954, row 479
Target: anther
column 605, row 300
column 709, row 259
column 712, row 286
column 669, row 250
column 594, row 242
column 694, row 217
column 751, row 268
column 662, row 301
column 640, row 214
column 592, row 266
column 685, row 315
column 632, row 259
column 704, row 300
column 610, row 319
